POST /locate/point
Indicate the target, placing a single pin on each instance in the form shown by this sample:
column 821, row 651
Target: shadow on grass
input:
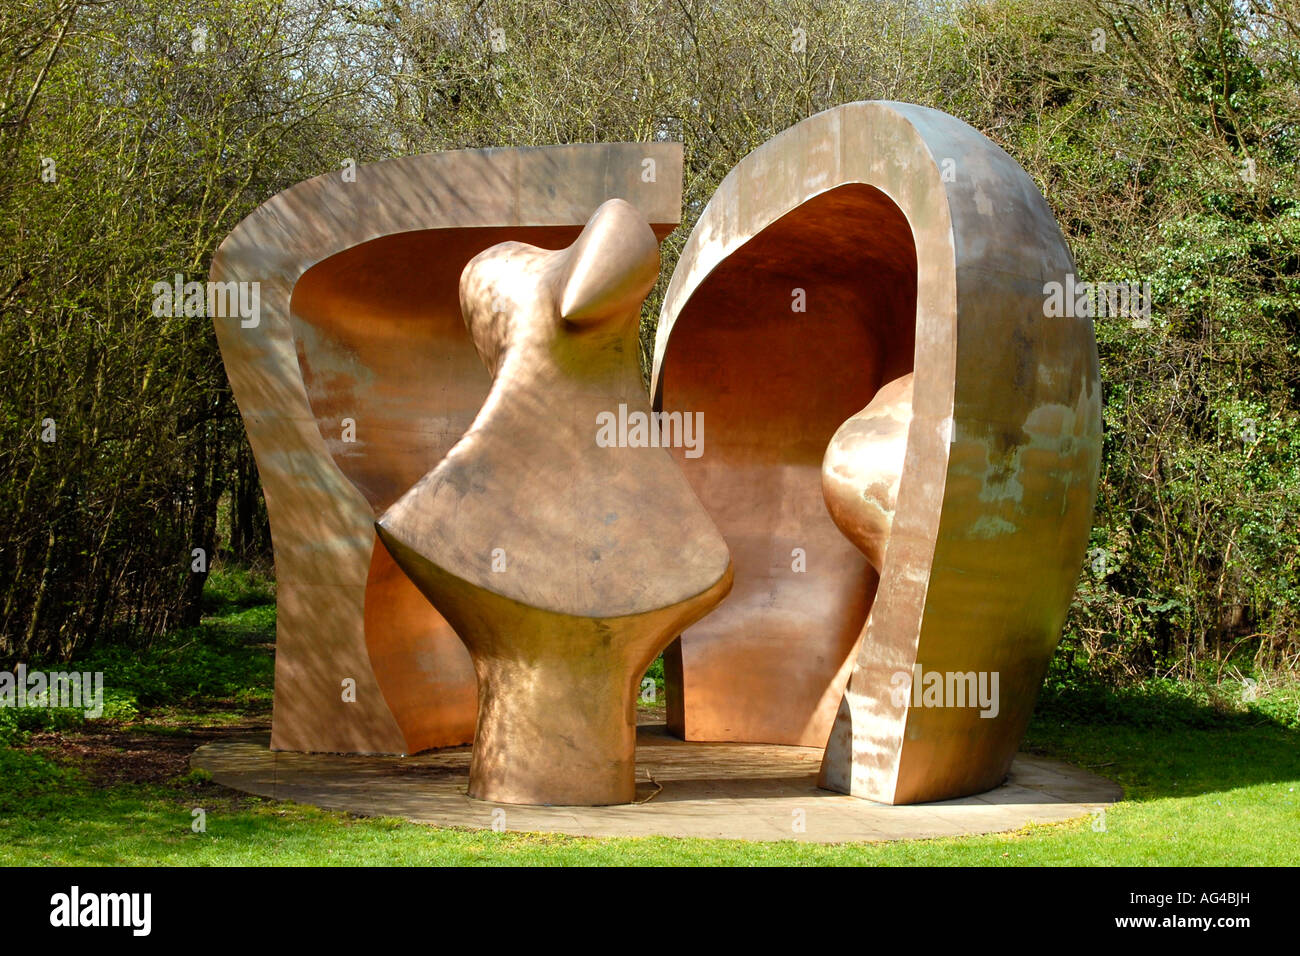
column 1164, row 739
column 230, row 589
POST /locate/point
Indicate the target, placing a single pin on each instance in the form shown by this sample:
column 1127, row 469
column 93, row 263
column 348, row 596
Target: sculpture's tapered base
column 578, row 717
column 556, row 692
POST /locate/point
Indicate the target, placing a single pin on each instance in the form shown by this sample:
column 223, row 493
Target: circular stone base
column 721, row 791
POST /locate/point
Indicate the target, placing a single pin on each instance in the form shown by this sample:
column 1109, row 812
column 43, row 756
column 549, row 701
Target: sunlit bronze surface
column 564, row 566
column 921, row 250
column 902, row 454
column 774, row 385
column 863, row 466
column 360, row 319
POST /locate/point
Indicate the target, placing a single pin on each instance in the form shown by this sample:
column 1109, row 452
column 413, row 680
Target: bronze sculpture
column 565, row 567
column 899, row 440
column 361, row 323
column 922, row 251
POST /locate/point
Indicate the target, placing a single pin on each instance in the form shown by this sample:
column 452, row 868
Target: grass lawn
column 1206, row 782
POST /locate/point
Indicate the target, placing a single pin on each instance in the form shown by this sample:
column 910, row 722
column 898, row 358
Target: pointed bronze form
column 564, row 566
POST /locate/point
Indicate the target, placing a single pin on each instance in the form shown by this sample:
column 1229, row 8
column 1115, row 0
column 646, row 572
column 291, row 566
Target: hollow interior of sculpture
column 774, row 383
column 381, row 342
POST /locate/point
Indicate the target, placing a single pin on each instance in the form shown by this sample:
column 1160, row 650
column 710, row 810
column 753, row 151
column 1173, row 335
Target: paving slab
column 716, row 790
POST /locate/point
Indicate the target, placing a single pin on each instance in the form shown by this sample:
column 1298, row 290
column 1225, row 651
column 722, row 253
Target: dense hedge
column 1164, row 135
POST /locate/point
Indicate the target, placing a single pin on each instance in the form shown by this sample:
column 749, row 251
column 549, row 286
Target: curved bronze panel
column 992, row 507
column 359, row 319
column 773, row 385
column 381, row 341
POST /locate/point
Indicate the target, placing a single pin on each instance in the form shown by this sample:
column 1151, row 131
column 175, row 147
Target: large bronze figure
column 565, row 564
column 902, row 454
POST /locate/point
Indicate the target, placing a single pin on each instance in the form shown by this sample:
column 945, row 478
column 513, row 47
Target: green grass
column 1208, row 781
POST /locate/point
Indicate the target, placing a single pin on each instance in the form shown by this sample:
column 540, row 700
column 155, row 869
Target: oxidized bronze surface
column 564, row 566
column 921, row 250
column 360, row 319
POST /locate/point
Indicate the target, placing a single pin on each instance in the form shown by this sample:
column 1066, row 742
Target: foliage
column 128, row 154
column 230, row 660
column 1170, row 704
column 227, row 659
column 1170, row 158
column 1168, row 152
